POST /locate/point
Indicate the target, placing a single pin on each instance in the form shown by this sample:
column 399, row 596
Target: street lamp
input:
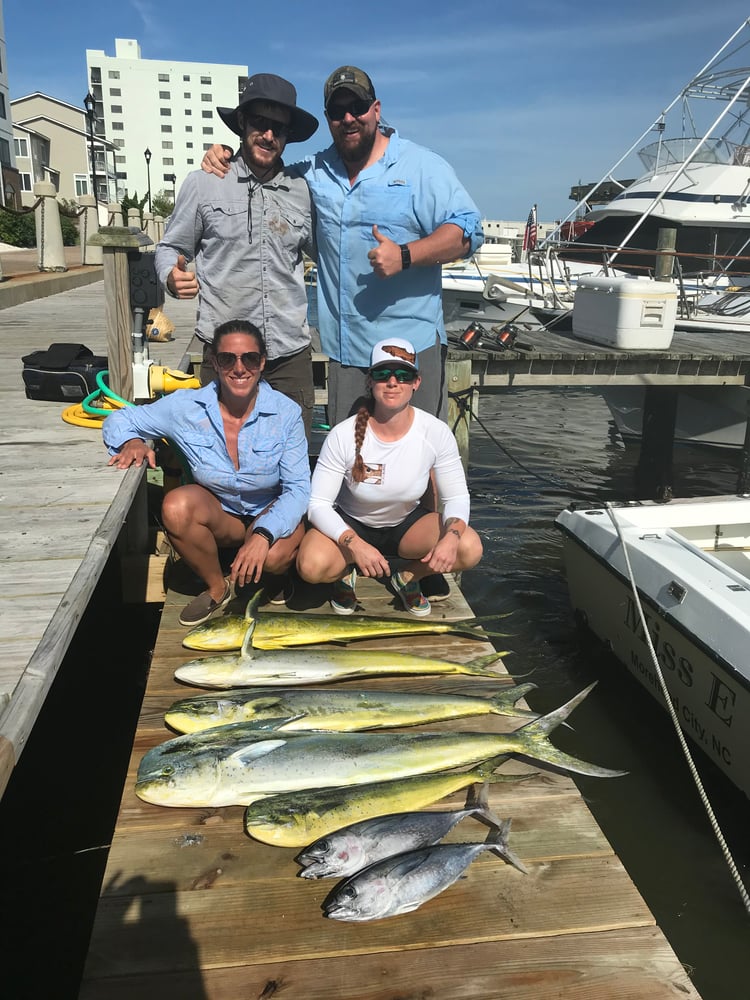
column 147, row 155
column 89, row 102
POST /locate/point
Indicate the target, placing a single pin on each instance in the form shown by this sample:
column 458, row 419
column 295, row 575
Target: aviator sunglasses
column 337, row 112
column 402, row 374
column 259, row 123
column 226, row 360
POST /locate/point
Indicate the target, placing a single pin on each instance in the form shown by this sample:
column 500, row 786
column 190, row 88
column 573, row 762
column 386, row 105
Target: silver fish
column 404, row 882
column 354, row 847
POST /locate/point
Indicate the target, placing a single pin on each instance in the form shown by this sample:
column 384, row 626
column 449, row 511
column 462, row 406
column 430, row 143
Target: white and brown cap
column 394, row 350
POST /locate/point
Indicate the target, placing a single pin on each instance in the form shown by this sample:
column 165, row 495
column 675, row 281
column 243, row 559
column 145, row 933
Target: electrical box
column 145, row 291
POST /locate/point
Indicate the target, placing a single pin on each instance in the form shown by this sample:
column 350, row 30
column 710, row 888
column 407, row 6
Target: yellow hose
column 76, row 414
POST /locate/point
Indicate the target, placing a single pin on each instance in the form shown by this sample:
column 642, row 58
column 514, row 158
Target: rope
column 678, row 729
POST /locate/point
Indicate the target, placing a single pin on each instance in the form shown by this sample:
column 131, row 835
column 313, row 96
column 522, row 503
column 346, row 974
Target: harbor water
column 58, row 813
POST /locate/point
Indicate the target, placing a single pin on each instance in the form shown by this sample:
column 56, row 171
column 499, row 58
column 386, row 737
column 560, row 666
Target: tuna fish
column 404, row 882
column 235, row 764
column 336, row 710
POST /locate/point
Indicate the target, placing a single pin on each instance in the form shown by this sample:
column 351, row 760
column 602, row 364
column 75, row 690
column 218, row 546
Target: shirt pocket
column 228, row 222
column 389, row 208
column 291, row 228
column 264, row 461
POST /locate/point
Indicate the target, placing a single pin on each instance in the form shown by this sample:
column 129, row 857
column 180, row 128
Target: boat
column 690, row 562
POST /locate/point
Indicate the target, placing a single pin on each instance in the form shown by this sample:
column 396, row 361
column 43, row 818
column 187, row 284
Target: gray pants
column 347, row 386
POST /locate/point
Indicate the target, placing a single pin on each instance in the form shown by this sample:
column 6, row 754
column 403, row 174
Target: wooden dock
column 193, row 908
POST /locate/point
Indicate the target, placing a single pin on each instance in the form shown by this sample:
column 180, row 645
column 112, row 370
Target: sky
column 524, row 99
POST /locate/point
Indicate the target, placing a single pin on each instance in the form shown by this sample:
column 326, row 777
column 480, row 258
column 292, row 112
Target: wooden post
column 666, row 240
column 115, row 243
column 88, row 227
column 653, row 474
column 458, row 380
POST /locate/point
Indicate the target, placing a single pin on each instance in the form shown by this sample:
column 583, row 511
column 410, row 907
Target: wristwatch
column 264, row 533
column 405, row 257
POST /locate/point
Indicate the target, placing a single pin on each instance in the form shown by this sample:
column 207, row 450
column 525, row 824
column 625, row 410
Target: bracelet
column 264, row 533
column 405, row 257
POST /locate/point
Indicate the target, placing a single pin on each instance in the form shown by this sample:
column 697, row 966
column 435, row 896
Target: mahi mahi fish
column 295, row 819
column 403, row 883
column 278, row 630
column 235, row 764
column 316, row 666
column 354, row 847
column 337, row 710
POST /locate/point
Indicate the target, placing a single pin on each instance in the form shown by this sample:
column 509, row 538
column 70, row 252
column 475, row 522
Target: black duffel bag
column 65, row 373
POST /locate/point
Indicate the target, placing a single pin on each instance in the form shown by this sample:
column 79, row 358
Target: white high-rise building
column 10, row 185
column 160, row 114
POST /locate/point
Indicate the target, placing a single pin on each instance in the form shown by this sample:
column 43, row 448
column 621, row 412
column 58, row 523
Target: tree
column 133, row 201
column 162, row 204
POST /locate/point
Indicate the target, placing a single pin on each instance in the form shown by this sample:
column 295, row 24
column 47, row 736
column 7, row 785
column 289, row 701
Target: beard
column 356, row 151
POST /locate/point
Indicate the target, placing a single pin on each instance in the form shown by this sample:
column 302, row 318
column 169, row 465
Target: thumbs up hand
column 385, row 256
column 182, row 283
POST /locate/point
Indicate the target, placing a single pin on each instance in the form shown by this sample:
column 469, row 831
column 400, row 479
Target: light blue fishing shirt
column 272, row 448
column 409, row 193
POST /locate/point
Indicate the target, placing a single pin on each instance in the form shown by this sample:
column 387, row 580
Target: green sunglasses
column 402, row 374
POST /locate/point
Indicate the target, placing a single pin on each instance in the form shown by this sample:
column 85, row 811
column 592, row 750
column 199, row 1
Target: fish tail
column 533, row 742
column 497, row 842
column 505, row 702
column 482, row 664
column 478, row 800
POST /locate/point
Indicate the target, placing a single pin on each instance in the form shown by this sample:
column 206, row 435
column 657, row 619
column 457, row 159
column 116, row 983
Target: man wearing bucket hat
column 246, row 236
column 389, row 214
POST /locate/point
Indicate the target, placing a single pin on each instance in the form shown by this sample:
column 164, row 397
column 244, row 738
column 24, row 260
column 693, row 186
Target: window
column 5, row 151
column 188, row 128
column 2, row 106
column 96, row 74
column 164, row 78
column 206, row 80
column 190, row 161
column 118, row 127
column 165, row 112
column 188, row 145
column 25, row 182
column 166, row 144
column 188, row 112
column 116, row 109
column 119, row 143
column 115, row 92
column 187, row 96
column 21, row 147
column 121, row 159
column 164, row 95
column 206, row 145
column 207, row 131
column 166, row 128
column 206, row 97
column 121, row 176
column 207, row 114
column 81, row 183
column 167, row 161
column 186, row 79
column 113, row 74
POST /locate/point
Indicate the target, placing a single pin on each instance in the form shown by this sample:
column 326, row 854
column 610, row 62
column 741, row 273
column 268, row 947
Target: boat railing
column 666, row 153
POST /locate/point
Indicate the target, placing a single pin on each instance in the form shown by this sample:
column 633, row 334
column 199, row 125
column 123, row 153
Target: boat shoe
column 279, row 589
column 435, row 587
column 343, row 595
column 203, row 606
column 411, row 596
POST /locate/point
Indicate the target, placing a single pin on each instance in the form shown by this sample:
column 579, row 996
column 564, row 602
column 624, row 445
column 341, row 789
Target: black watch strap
column 264, row 533
column 405, row 257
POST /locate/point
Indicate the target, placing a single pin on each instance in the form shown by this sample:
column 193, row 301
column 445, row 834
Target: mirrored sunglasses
column 259, row 123
column 226, row 360
column 402, row 374
column 336, row 112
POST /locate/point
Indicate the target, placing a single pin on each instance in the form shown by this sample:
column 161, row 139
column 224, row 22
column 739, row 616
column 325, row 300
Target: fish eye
column 349, row 892
column 166, row 771
column 324, row 845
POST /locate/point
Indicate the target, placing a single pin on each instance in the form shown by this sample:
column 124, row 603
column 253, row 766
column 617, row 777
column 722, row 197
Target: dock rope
column 675, row 722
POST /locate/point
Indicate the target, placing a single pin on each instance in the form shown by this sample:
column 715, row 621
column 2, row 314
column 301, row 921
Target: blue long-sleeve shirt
column 408, row 193
column 272, row 448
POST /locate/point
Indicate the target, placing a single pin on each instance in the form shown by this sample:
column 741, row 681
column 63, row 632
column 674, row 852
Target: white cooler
column 628, row 313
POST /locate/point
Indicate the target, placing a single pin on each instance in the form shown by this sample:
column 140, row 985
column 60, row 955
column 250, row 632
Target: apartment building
column 10, row 193
column 160, row 114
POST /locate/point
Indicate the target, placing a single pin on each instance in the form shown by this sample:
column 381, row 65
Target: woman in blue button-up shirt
column 246, row 448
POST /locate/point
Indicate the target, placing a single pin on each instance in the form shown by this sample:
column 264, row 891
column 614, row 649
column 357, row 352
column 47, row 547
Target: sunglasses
column 258, row 123
column 226, row 360
column 401, row 374
column 336, row 112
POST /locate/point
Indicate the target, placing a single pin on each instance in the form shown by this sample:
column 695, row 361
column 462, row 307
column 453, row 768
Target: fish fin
column 246, row 650
column 497, row 842
column 534, row 742
column 505, row 702
column 252, row 604
column 255, row 750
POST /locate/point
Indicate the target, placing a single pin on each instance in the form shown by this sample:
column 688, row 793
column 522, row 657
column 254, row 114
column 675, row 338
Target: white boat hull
column 714, row 416
column 691, row 563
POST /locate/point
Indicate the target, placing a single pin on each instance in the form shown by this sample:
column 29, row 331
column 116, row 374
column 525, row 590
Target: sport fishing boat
column 690, row 563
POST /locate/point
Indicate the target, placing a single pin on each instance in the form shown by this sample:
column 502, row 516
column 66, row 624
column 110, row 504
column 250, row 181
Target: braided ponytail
column 360, row 426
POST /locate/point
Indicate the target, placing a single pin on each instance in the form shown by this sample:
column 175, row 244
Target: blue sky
column 524, row 99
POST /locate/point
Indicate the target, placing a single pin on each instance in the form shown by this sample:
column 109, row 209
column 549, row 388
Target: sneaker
column 435, row 587
column 203, row 606
column 343, row 596
column 411, row 596
column 282, row 592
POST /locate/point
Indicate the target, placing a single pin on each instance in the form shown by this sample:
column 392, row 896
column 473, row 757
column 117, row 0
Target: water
column 652, row 817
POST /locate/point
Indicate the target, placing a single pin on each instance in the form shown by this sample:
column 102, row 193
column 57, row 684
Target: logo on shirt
column 374, row 474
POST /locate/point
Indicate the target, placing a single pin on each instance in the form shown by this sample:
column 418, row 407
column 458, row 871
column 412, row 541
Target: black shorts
column 386, row 540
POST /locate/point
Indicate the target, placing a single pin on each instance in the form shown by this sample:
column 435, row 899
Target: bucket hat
column 269, row 87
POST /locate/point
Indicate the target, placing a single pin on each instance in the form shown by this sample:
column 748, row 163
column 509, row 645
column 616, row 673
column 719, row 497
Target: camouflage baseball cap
column 353, row 79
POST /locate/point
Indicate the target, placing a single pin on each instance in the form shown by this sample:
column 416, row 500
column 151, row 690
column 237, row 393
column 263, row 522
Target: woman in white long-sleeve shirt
column 372, row 473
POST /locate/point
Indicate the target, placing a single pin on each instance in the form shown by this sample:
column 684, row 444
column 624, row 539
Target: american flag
column 529, row 233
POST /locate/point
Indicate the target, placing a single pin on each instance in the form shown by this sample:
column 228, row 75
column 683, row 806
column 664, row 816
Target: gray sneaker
column 203, row 606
